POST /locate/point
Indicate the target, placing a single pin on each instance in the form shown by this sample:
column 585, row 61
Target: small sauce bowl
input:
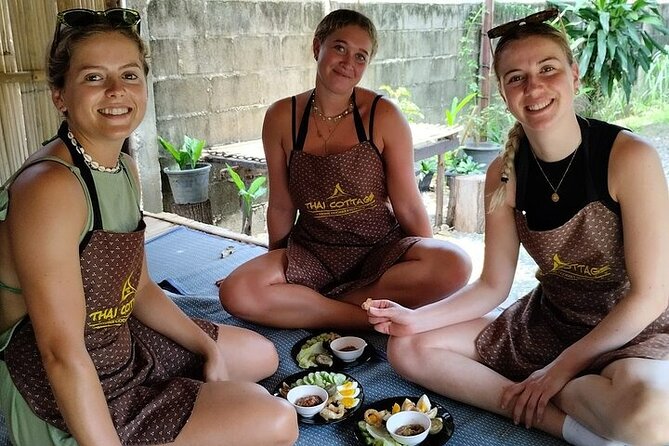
column 348, row 348
column 408, row 418
column 298, row 395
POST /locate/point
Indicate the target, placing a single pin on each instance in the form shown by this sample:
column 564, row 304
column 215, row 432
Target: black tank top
column 585, row 182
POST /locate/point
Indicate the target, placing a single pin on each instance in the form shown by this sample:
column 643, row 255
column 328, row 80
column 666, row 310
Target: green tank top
column 118, row 195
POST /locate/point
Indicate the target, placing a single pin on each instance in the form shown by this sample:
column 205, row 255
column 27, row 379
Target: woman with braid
column 585, row 355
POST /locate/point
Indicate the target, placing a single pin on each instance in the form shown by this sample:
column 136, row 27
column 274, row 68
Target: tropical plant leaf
column 256, row 184
column 451, row 115
column 259, row 192
column 604, row 21
column 170, row 149
column 584, row 60
column 236, row 178
column 601, row 50
column 193, row 147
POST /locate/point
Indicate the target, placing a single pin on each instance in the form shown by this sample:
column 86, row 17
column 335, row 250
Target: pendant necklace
column 90, row 162
column 326, row 139
column 554, row 196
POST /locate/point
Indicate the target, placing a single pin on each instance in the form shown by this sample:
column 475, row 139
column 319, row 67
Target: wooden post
column 439, row 189
column 195, row 211
column 451, row 200
column 468, row 203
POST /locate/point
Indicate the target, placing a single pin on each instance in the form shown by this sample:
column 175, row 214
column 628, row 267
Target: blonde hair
column 507, row 171
column 517, row 133
column 341, row 18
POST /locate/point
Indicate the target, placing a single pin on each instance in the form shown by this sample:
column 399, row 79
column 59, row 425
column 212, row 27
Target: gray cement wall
column 218, row 65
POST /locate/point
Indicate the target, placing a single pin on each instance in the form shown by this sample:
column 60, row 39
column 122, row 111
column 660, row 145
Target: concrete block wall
column 218, row 65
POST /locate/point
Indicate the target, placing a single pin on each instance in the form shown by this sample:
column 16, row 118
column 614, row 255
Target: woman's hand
column 215, row 367
column 389, row 317
column 532, row 395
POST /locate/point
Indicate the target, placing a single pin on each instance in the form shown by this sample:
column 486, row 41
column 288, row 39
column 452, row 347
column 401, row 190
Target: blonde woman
column 92, row 352
column 585, row 355
column 345, row 218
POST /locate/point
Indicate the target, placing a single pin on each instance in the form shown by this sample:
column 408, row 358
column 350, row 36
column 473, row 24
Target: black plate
column 317, row 419
column 437, row 439
column 337, row 364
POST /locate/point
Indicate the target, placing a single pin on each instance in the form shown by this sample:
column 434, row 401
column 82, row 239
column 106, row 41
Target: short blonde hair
column 341, row 18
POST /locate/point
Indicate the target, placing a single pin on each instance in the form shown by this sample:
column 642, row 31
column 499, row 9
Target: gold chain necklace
column 335, row 118
column 554, row 196
column 320, row 135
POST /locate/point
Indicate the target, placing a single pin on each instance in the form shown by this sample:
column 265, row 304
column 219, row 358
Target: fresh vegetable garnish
column 313, row 353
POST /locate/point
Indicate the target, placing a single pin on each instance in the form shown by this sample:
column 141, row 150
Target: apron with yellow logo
column 582, row 276
column 149, row 381
column 346, row 235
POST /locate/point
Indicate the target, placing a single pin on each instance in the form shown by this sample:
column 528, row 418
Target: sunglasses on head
column 537, row 17
column 81, row 18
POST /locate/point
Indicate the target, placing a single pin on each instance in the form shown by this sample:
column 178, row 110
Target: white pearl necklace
column 90, row 162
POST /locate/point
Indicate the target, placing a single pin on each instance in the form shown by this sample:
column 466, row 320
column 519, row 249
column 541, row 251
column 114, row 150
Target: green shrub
column 612, row 42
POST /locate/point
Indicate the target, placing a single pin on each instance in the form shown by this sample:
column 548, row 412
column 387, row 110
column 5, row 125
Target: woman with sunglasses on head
column 93, row 351
column 585, row 355
column 340, row 158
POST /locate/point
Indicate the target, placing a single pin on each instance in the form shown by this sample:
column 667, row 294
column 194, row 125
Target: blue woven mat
column 4, row 435
column 187, row 263
column 190, row 261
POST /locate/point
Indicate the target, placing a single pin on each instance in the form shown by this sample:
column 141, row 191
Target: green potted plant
column 485, row 130
column 475, row 127
column 189, row 179
column 425, row 170
column 458, row 162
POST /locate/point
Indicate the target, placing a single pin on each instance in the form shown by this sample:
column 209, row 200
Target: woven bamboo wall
column 27, row 115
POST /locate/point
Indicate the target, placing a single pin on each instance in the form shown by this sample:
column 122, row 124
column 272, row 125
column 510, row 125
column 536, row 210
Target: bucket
column 191, row 185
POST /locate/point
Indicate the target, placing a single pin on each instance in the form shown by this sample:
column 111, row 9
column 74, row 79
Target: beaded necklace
column 90, row 162
column 335, row 118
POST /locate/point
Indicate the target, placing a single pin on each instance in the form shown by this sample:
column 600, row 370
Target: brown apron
column 582, row 276
column 149, row 381
column 346, row 235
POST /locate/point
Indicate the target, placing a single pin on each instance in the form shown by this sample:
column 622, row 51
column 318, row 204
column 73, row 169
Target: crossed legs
column 628, row 402
column 257, row 291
